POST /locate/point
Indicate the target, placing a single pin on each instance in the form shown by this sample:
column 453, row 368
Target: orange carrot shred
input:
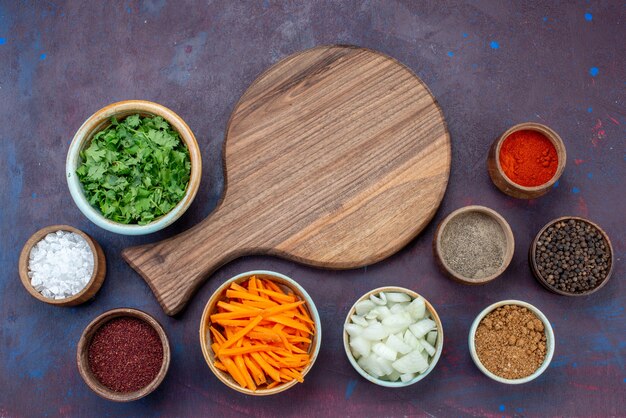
column 244, row 372
column 220, row 366
column 241, row 333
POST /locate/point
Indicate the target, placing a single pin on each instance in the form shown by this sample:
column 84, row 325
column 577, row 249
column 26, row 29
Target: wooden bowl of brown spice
column 473, row 245
column 511, row 342
column 123, row 354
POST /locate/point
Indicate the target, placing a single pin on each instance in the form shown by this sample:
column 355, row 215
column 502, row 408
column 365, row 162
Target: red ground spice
column 528, row 158
column 125, row 354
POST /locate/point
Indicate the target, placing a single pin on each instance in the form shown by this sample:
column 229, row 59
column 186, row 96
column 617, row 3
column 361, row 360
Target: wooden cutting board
column 334, row 157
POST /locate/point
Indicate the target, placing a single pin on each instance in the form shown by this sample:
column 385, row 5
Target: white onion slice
column 429, row 348
column 407, row 377
column 384, row 364
column 421, row 328
column 398, row 307
column 413, row 362
column 359, row 320
column 383, row 312
column 361, row 346
column 397, row 322
column 364, row 307
column 375, row 332
column 398, row 297
column 431, row 337
column 385, row 352
column 417, row 308
column 353, row 330
column 410, row 340
column 380, row 300
column 395, row 343
column 370, row 365
column 394, row 376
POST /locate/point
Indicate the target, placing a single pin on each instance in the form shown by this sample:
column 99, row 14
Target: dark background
column 489, row 64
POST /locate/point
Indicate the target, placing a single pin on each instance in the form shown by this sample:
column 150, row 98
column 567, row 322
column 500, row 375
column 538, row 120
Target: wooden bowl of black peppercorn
column 571, row 256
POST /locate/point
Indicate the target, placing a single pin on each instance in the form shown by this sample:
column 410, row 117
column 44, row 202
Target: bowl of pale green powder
column 133, row 167
column 473, row 245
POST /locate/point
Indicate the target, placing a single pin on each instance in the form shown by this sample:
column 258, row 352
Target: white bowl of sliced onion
column 393, row 337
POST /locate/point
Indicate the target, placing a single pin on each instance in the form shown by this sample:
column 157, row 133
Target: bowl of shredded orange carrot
column 260, row 333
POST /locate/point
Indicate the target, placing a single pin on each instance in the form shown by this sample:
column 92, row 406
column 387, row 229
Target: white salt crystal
column 60, row 265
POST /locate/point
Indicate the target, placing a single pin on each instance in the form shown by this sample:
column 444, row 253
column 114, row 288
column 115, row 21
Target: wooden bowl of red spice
column 123, row 354
column 526, row 160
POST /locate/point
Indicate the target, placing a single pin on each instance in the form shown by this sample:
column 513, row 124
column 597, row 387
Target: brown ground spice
column 126, row 354
column 511, row 342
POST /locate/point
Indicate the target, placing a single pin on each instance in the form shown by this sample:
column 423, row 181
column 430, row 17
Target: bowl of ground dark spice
column 123, row 354
column 511, row 342
column 526, row 160
column 473, row 245
column 571, row 256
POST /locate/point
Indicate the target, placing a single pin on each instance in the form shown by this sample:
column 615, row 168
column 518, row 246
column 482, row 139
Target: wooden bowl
column 550, row 342
column 507, row 186
column 211, row 308
column 386, row 383
column 92, row 287
column 509, row 242
column 533, row 262
column 82, row 355
column 101, row 120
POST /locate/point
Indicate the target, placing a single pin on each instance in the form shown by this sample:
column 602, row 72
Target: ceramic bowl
column 438, row 347
column 508, row 253
column 550, row 342
column 92, row 287
column 82, row 355
column 505, row 184
column 211, row 308
column 101, row 120
column 535, row 269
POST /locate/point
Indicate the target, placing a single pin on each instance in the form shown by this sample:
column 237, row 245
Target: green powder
column 473, row 245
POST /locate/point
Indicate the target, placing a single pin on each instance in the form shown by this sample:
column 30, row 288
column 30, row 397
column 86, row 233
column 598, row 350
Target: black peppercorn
column 573, row 256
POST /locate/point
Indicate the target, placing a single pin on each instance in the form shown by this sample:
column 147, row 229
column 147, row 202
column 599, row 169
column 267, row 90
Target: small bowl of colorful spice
column 526, row 160
column 260, row 333
column 123, row 355
column 571, row 256
column 133, row 167
column 62, row 266
column 511, row 342
column 473, row 245
column 393, row 337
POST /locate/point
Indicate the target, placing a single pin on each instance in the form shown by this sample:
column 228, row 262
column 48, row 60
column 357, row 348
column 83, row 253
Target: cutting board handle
column 176, row 267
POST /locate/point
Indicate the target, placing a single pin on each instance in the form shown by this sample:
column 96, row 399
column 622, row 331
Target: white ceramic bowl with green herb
column 100, row 121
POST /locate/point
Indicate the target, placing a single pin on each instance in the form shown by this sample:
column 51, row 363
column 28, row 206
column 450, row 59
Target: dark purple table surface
column 490, row 65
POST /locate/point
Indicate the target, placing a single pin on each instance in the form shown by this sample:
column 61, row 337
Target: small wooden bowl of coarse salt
column 62, row 266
